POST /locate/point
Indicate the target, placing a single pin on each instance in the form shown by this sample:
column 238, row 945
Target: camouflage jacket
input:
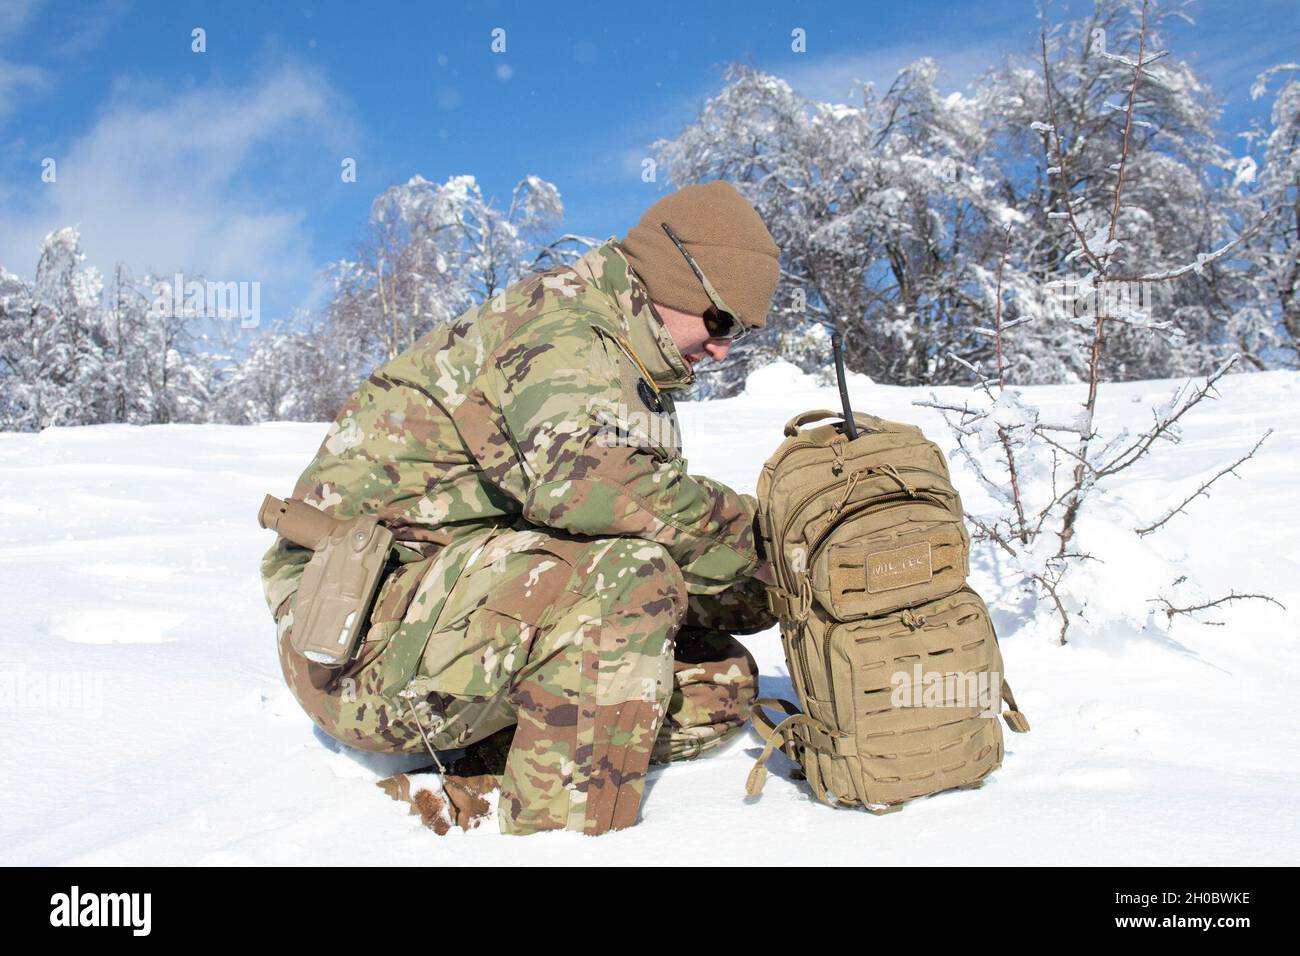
column 547, row 405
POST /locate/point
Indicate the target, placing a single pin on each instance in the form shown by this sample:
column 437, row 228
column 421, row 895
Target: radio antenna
column 837, row 345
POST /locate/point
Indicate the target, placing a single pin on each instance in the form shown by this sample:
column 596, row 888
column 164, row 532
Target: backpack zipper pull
column 848, row 490
column 837, row 446
column 893, row 473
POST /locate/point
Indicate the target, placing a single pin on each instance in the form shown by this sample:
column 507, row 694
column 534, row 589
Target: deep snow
column 129, row 560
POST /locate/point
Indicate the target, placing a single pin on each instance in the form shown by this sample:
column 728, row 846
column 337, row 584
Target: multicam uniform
column 556, row 567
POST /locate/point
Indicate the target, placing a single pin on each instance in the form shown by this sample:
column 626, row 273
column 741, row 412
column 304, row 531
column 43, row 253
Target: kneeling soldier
column 557, row 586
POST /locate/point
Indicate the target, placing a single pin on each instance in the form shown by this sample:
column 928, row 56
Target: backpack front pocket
column 890, row 558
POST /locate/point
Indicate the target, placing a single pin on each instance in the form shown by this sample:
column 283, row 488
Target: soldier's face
column 691, row 336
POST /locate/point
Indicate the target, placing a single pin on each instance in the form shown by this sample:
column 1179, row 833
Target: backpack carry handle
column 803, row 418
column 817, row 414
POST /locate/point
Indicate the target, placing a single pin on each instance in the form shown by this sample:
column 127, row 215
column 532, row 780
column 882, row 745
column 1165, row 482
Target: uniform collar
column 607, row 269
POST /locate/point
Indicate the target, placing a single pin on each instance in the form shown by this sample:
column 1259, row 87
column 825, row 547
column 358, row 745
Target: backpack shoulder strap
column 774, row 735
column 764, row 724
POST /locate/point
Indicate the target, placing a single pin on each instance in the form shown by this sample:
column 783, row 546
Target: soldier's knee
column 634, row 573
column 345, row 704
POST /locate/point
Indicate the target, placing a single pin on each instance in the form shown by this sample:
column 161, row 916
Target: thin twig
column 1170, row 610
column 1142, row 532
column 1143, row 444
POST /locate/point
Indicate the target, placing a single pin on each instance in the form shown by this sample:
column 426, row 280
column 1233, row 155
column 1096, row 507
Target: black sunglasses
column 719, row 320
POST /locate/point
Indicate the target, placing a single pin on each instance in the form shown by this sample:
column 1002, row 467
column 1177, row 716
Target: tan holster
column 331, row 609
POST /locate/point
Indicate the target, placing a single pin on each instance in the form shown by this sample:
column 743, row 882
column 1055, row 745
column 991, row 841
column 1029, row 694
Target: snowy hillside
column 129, row 565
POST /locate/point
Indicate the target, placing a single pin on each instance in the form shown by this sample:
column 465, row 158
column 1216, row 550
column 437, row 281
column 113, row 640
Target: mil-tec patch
column 899, row 567
column 648, row 396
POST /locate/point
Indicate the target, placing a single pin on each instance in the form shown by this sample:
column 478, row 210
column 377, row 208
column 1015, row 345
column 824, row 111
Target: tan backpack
column 893, row 657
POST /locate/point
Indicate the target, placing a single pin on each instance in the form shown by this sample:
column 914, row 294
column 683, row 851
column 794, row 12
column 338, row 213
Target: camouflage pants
column 592, row 648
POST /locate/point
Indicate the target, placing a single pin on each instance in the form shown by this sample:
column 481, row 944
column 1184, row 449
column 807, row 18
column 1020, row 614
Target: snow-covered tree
column 289, row 373
column 1046, row 476
column 51, row 349
column 432, row 251
column 892, row 214
column 1173, row 173
column 880, row 211
column 157, row 367
column 1275, row 250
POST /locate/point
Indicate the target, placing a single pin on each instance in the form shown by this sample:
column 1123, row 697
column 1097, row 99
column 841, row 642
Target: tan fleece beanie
column 724, row 234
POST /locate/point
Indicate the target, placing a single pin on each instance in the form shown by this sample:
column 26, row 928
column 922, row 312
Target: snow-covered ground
column 143, row 718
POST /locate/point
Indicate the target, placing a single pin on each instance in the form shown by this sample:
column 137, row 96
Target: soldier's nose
column 718, row 348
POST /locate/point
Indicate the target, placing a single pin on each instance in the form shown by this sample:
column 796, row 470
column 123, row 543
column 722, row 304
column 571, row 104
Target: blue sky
column 227, row 162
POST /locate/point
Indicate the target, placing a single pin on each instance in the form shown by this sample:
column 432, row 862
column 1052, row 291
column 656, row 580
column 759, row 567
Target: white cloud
column 17, row 79
column 205, row 181
column 90, row 25
column 14, row 14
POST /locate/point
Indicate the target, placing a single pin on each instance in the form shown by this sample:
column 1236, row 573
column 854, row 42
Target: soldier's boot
column 592, row 694
column 715, row 680
column 486, row 758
